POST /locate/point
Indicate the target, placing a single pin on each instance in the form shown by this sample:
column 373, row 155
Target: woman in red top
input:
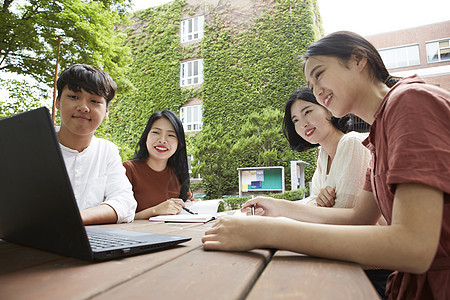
column 408, row 181
column 159, row 171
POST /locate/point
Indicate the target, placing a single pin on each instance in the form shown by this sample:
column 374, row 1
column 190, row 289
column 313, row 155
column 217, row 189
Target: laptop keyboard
column 105, row 240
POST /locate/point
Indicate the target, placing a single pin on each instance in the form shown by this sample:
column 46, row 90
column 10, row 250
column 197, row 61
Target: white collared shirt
column 98, row 176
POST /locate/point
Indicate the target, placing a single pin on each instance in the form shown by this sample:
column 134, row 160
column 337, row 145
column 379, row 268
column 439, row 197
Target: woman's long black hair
column 295, row 140
column 178, row 161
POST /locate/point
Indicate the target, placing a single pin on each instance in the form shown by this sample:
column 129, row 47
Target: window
column 400, row 56
column 191, row 72
column 192, row 29
column 191, row 117
column 438, row 51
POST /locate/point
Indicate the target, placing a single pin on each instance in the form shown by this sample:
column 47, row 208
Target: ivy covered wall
column 247, row 70
column 154, row 73
column 248, row 66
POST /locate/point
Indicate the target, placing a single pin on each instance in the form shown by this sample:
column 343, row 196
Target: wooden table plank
column 199, row 274
column 70, row 278
column 294, row 276
column 14, row 257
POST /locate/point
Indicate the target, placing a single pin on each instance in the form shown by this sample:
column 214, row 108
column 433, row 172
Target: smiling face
column 81, row 113
column 162, row 140
column 311, row 121
column 333, row 83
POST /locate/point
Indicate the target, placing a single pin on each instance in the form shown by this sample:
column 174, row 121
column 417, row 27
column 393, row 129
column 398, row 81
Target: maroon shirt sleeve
column 418, row 137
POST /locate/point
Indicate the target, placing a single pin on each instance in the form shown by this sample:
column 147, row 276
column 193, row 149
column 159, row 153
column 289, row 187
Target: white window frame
column 396, row 52
column 192, row 29
column 191, row 72
column 191, row 117
column 434, row 49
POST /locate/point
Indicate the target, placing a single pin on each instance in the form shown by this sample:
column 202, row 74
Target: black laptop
column 37, row 205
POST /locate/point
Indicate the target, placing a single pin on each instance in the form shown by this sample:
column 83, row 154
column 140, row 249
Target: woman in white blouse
column 337, row 181
column 341, row 165
column 342, row 160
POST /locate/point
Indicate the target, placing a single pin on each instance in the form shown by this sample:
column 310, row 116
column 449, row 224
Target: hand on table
column 171, row 206
column 234, row 233
column 264, row 206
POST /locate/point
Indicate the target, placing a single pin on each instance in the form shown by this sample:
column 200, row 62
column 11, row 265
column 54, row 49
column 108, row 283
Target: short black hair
column 89, row 78
column 295, row 140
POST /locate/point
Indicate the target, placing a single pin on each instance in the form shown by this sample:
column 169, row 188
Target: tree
column 19, row 91
column 29, row 33
column 212, row 160
column 261, row 141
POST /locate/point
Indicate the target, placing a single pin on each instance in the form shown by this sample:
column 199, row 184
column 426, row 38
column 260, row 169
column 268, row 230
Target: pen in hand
column 253, row 206
column 188, row 210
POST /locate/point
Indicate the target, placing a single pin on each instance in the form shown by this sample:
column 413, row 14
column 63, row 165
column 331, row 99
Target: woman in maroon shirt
column 159, row 171
column 408, row 181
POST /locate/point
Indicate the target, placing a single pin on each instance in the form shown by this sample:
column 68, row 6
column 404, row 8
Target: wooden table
column 183, row 272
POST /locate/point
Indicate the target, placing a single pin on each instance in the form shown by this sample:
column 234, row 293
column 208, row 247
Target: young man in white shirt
column 94, row 166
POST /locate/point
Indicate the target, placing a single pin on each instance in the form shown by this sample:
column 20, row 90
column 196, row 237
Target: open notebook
column 205, row 211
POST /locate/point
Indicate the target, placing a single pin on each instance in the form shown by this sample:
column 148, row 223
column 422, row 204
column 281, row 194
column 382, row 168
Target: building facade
column 423, row 50
column 239, row 14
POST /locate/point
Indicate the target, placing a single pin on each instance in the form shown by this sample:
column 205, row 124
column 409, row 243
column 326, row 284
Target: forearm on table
column 102, row 214
column 145, row 214
column 348, row 243
column 323, row 215
column 409, row 244
column 364, row 212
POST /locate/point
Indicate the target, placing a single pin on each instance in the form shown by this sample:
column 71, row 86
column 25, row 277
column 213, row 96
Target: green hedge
column 236, row 202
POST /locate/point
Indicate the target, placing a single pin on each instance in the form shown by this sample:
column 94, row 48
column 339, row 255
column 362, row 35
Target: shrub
column 236, row 202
